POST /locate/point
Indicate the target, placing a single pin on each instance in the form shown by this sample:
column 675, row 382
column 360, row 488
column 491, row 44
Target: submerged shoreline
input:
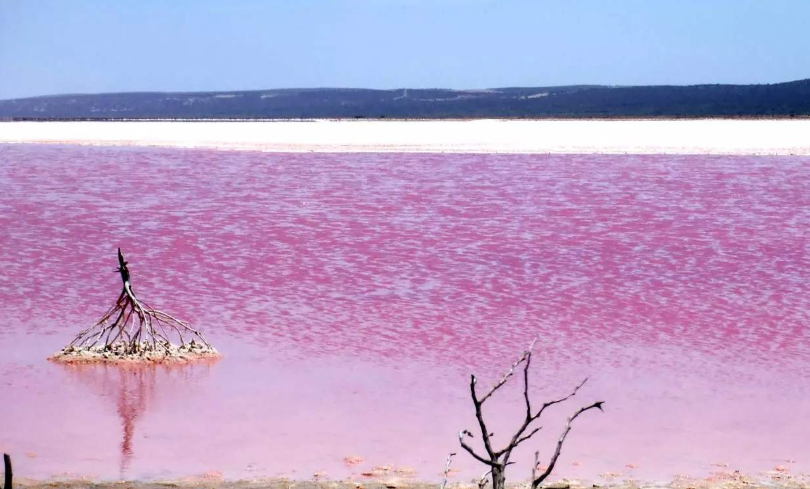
column 560, row 136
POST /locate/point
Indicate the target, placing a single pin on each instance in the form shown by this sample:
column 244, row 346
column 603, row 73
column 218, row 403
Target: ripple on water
column 353, row 294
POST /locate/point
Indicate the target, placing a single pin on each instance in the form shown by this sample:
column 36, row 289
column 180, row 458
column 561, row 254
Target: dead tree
column 9, row 475
column 132, row 328
column 498, row 460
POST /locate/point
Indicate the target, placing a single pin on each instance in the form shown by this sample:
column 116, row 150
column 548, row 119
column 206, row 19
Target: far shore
column 560, row 136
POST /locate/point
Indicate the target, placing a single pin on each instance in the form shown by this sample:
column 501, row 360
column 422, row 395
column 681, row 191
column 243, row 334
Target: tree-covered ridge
column 782, row 99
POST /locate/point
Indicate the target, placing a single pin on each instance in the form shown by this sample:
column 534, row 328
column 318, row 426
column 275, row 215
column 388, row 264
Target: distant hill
column 781, row 99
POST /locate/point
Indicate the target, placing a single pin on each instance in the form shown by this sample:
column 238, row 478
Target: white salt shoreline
column 695, row 136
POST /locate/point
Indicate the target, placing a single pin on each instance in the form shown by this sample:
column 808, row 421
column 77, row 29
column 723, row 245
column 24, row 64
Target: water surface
column 354, row 294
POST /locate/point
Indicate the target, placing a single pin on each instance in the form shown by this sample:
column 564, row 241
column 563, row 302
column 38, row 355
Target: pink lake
column 353, row 294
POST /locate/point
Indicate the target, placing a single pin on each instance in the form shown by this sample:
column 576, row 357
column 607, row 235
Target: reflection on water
column 352, row 296
column 132, row 388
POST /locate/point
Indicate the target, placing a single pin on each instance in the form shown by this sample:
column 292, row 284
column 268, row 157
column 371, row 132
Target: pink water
column 352, row 296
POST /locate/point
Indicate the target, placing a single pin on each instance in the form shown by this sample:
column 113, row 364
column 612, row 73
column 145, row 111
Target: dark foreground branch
column 539, row 479
column 9, row 473
column 498, row 460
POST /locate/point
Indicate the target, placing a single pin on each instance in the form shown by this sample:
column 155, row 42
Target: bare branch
column 526, row 437
column 447, row 470
column 461, row 435
column 510, row 372
column 480, row 417
column 562, row 399
column 518, row 437
column 530, row 418
column 526, row 382
column 499, row 460
column 539, row 480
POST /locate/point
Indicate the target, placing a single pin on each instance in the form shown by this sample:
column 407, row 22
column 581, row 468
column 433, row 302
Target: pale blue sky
column 81, row 46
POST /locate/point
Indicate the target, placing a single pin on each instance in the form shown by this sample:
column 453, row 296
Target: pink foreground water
column 352, row 295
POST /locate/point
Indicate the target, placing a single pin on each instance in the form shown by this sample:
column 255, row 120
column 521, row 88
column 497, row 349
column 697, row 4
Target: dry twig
column 446, row 472
column 498, row 460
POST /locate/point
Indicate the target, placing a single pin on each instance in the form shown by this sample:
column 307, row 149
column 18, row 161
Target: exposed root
column 133, row 331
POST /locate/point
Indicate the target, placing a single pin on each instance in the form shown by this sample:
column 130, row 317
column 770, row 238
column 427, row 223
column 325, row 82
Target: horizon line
column 590, row 85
